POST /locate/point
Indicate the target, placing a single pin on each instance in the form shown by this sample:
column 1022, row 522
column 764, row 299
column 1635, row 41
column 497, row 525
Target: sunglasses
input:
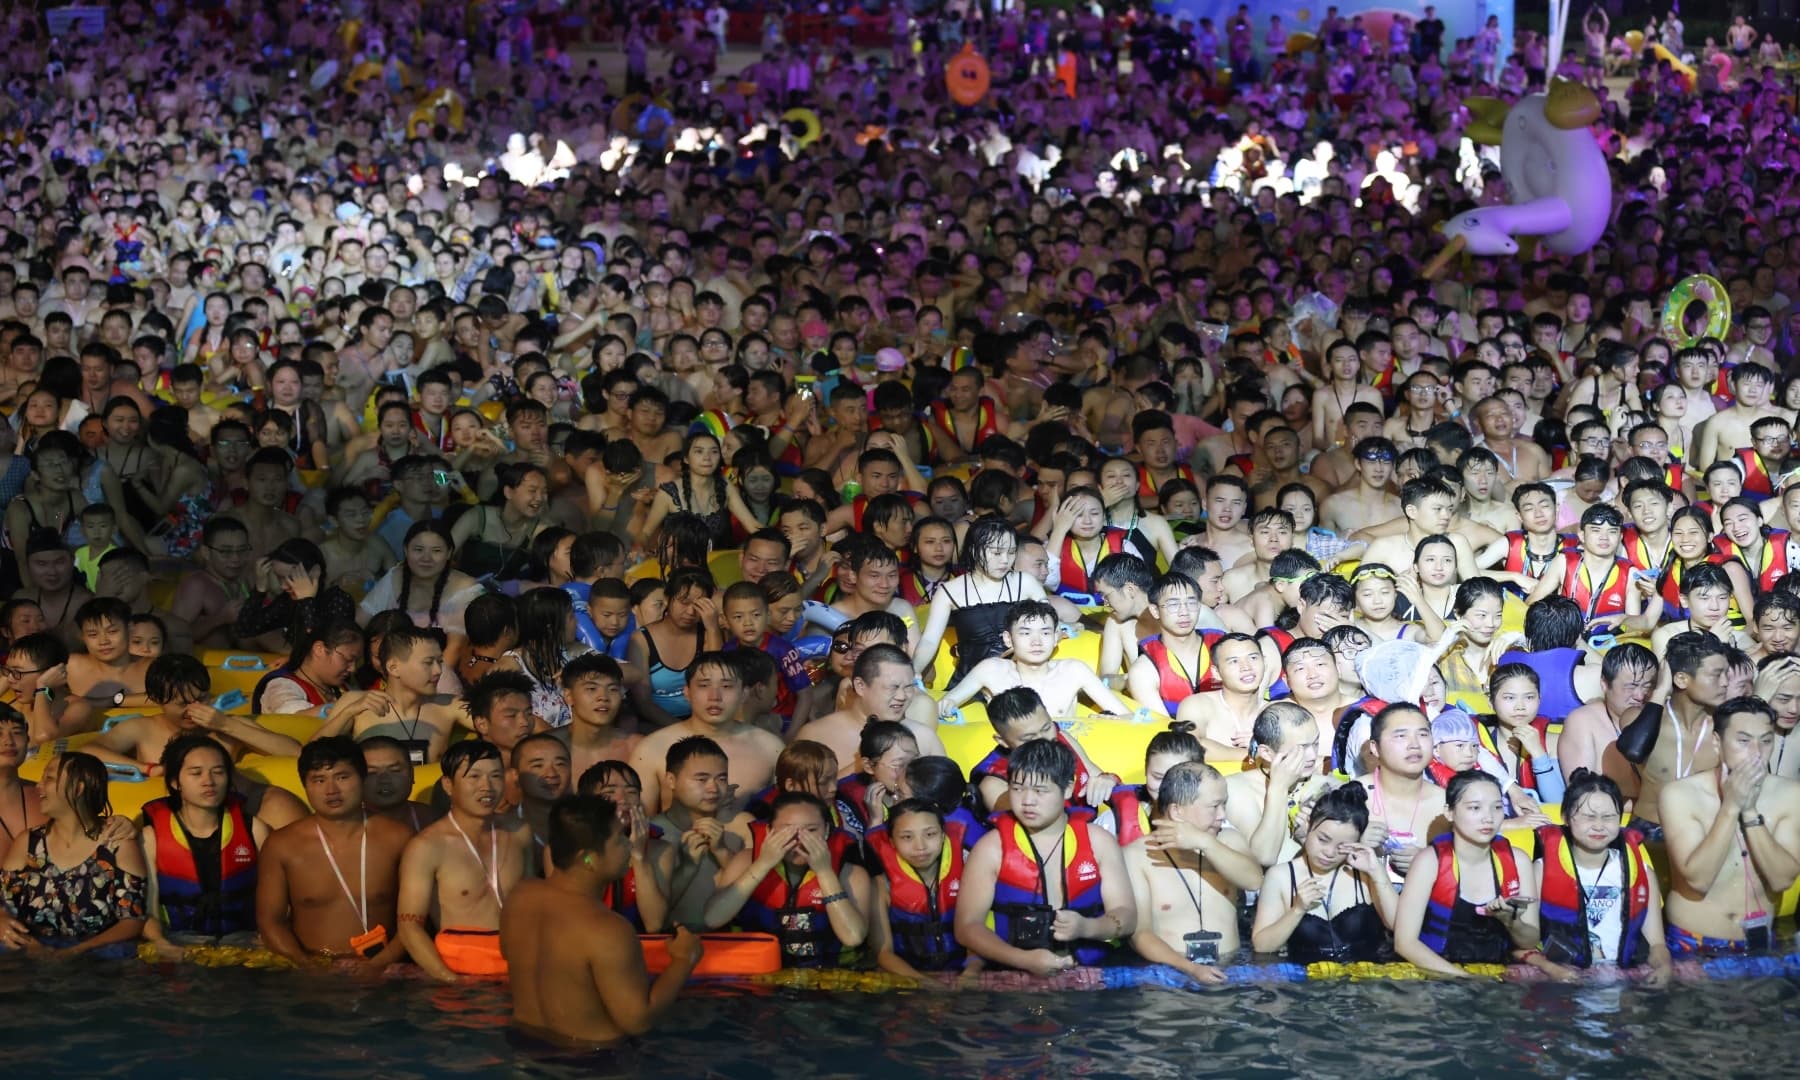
column 1377, row 455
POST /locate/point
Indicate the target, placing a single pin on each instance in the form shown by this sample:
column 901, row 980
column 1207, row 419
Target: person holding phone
column 1465, row 893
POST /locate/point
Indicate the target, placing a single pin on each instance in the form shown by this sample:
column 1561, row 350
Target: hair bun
column 1355, row 792
column 1182, row 727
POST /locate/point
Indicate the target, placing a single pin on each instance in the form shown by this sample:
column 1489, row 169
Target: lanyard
column 491, row 868
column 1699, row 737
column 1581, row 886
column 1596, row 595
column 1044, row 861
column 1381, row 808
column 362, row 910
column 1181, row 668
column 1199, row 872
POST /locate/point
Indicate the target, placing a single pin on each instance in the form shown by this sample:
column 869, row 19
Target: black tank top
column 979, row 627
column 1354, row 933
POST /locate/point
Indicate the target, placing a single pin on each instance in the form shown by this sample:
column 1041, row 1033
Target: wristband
column 827, row 901
column 1549, row 767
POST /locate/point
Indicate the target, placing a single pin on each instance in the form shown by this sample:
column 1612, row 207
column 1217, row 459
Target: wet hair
column 488, row 618
column 914, row 805
column 1049, row 759
column 983, row 534
column 1118, row 571
column 543, row 617
column 937, row 780
column 1584, row 782
column 880, row 736
column 1686, row 651
column 799, row 798
column 487, row 690
column 1626, row 655
column 1505, row 672
column 1474, row 590
column 1011, row 706
column 712, row 661
column 1704, row 576
column 682, row 751
column 591, row 663
column 333, row 750
column 1463, row 781
column 580, row 823
column 174, row 675
column 601, row 771
column 1737, row 706
column 84, row 785
column 45, row 649
column 175, row 754
column 1273, row 721
column 398, row 642
column 1347, row 803
column 1180, row 785
column 1029, row 609
column 1325, row 588
column 1178, row 741
column 463, row 756
column 882, row 624
column 1554, row 622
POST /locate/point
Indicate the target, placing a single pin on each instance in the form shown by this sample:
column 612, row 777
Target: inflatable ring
column 966, row 76
column 1685, row 292
column 426, row 111
column 1634, row 40
column 1299, row 43
column 810, row 130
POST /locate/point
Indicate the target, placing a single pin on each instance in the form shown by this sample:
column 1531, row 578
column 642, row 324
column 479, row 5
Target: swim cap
column 1453, row 725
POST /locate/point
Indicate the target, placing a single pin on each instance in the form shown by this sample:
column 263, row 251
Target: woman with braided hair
column 700, row 490
column 424, row 584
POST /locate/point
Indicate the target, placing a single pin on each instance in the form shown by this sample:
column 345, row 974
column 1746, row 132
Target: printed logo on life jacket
column 242, row 853
column 1085, row 868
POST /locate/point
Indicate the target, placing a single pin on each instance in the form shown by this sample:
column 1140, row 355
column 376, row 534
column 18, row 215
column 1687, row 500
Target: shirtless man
column 180, row 686
column 1271, row 533
column 594, row 686
column 1190, row 924
column 388, row 786
column 1257, row 800
column 1331, row 403
column 50, row 569
column 1698, row 667
column 1031, row 636
column 208, row 602
column 879, row 690
column 396, row 438
column 698, row 823
column 1590, row 735
column 1226, row 532
column 1224, row 717
column 107, row 675
column 1280, row 466
column 576, row 968
column 1521, row 459
column 268, row 517
column 1733, row 837
column 717, row 696
column 327, row 885
column 457, row 871
column 1484, row 489
column 1405, row 809
column 1722, row 434
column 1428, row 507
column 1370, row 502
column 408, row 707
column 1336, row 466
column 1310, row 668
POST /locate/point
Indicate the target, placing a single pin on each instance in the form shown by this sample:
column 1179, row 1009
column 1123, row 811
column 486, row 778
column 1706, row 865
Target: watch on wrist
column 118, row 698
column 1750, row 822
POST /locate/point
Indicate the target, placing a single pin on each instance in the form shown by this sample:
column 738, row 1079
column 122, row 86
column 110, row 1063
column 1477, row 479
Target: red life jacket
column 1147, row 484
column 1436, row 931
column 1131, row 812
column 1637, row 551
column 1075, row 572
column 1173, row 681
column 795, row 915
column 1564, row 900
column 1021, row 882
column 921, row 920
column 1757, row 481
column 987, row 423
column 445, row 442
column 1605, row 597
column 998, row 766
column 1490, row 740
column 1516, row 552
column 184, row 906
column 1674, row 475
column 1770, row 567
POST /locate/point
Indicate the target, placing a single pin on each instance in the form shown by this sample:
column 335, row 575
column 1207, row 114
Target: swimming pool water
column 128, row 1020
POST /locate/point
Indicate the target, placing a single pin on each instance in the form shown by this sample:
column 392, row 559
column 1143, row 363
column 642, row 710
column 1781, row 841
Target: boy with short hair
column 37, row 668
column 148, row 636
column 185, row 384
column 352, row 563
column 609, row 606
column 1031, row 635
column 1018, row 716
column 99, row 524
column 107, row 675
column 746, row 617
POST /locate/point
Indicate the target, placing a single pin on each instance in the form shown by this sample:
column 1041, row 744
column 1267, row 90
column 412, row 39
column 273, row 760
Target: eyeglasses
column 233, row 442
column 245, row 550
column 15, row 673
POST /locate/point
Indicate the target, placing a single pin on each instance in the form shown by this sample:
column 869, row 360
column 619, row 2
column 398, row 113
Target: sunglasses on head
column 1377, row 455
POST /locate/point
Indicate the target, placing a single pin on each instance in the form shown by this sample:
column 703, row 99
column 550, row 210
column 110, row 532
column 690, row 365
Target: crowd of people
column 670, row 507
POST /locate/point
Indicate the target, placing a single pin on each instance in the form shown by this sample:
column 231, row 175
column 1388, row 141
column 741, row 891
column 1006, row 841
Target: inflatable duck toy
column 1553, row 168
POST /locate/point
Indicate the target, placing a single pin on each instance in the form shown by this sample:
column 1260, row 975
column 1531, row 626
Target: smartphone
column 440, row 478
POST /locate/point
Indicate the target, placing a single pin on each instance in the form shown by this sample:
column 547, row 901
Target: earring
column 587, row 861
